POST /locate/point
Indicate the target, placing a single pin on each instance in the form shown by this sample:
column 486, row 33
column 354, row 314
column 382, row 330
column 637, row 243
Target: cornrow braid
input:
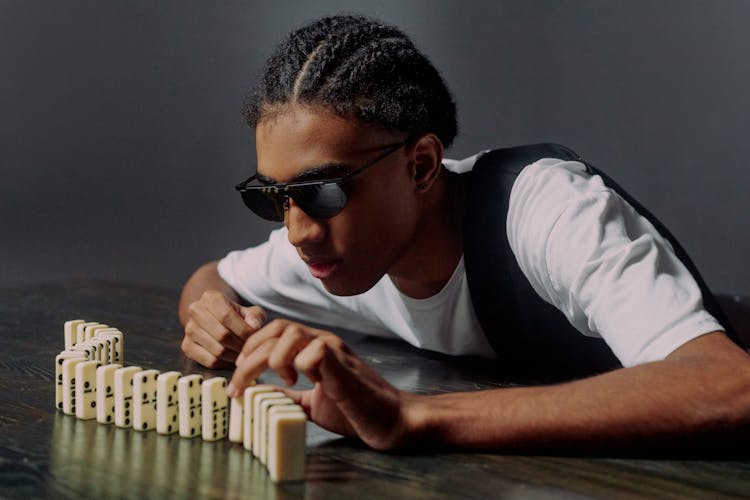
column 361, row 68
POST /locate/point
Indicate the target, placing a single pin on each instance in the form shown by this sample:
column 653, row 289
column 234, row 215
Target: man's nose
column 303, row 229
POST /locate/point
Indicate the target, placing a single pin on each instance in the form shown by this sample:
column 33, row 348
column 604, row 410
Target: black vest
column 532, row 337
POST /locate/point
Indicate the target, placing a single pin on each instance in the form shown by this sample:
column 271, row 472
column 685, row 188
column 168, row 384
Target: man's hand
column 349, row 397
column 217, row 328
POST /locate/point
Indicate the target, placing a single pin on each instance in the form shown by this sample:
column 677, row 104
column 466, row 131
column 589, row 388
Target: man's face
column 351, row 251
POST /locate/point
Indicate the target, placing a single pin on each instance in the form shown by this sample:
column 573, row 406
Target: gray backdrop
column 122, row 137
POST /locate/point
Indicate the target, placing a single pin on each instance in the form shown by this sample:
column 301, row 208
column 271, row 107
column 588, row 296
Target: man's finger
column 247, row 371
column 212, row 324
column 281, row 359
column 254, row 316
column 203, row 339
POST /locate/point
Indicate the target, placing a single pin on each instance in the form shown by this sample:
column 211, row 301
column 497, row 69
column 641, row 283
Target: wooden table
column 46, row 454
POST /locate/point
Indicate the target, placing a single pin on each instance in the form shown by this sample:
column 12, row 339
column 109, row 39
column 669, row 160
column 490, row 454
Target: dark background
column 122, row 136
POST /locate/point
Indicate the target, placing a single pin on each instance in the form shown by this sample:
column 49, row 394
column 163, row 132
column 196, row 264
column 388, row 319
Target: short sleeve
column 592, row 255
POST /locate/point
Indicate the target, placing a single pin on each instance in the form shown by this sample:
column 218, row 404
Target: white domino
column 81, row 329
column 58, row 374
column 144, row 400
column 70, row 332
column 215, row 409
column 236, row 422
column 166, row 403
column 257, row 401
column 189, row 405
column 265, row 406
column 69, row 384
column 247, row 412
column 287, row 445
column 124, row 395
column 90, row 330
column 105, row 393
column 86, row 348
column 116, row 346
column 86, row 389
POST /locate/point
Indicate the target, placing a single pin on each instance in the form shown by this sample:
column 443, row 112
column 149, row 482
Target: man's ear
column 428, row 159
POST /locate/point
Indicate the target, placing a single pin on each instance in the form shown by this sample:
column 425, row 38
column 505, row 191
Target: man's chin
column 344, row 289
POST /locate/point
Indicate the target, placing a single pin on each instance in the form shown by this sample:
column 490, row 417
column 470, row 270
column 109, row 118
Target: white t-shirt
column 583, row 248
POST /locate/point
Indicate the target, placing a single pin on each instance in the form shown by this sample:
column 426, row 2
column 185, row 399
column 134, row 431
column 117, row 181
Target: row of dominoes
column 92, row 383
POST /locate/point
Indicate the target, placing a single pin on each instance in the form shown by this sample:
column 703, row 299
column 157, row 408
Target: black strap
column 528, row 334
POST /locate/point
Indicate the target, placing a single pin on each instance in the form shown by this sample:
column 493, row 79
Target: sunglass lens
column 269, row 206
column 320, row 201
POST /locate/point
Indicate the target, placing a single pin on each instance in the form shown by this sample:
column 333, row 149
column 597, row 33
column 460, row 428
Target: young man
column 351, row 123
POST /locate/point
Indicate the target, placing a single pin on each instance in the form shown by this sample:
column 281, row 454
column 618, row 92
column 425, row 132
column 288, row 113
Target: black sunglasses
column 321, row 199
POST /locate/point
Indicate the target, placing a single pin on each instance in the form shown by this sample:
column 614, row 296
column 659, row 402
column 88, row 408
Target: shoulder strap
column 529, row 334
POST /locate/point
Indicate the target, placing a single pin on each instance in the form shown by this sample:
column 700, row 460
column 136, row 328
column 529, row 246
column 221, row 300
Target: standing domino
column 69, row 384
column 144, row 400
column 215, row 412
column 236, row 422
column 265, row 406
column 247, row 412
column 116, row 344
column 86, row 389
column 105, row 393
column 166, row 402
column 80, row 330
column 90, row 331
column 257, row 401
column 124, row 395
column 189, row 405
column 71, row 328
column 58, row 374
column 287, row 454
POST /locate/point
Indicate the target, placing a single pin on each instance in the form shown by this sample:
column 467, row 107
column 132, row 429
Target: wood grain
column 46, row 454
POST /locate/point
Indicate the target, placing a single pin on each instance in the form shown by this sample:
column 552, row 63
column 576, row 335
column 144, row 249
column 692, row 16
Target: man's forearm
column 204, row 278
column 699, row 395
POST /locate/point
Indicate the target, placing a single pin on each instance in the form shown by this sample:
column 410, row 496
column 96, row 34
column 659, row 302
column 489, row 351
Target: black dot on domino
column 86, row 385
column 59, row 377
column 127, row 421
column 191, row 385
column 59, row 405
column 109, row 389
column 169, row 428
column 127, row 404
column 127, row 413
column 192, row 413
column 60, row 361
column 174, row 388
column 174, row 418
column 145, row 425
column 93, row 404
column 131, row 381
column 109, row 418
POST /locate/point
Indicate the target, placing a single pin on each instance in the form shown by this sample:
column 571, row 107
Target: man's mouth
column 323, row 268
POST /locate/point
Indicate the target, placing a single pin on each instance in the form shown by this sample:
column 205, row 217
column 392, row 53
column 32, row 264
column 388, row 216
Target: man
column 351, row 123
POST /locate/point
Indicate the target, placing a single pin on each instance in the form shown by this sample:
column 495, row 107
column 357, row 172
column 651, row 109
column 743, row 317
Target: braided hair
column 357, row 67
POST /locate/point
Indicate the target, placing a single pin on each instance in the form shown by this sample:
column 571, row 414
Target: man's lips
column 322, row 268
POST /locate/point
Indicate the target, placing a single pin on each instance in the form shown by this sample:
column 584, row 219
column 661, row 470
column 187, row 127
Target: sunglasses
column 320, row 199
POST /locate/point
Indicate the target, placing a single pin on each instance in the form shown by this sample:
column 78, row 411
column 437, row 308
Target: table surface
column 46, row 454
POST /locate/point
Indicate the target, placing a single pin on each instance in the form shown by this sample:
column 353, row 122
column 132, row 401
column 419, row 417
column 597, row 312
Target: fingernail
column 231, row 390
column 255, row 323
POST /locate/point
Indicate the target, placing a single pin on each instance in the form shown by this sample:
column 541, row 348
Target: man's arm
column 216, row 324
column 699, row 396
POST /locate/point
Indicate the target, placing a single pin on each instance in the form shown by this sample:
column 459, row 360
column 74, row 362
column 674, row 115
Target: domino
column 90, row 330
column 115, row 337
column 263, row 416
column 287, row 454
column 105, row 393
column 80, row 330
column 124, row 395
column 189, row 406
column 247, row 412
column 86, row 348
column 70, row 332
column 58, row 374
column 144, row 400
column 257, row 401
column 69, row 384
column 85, row 407
column 236, row 422
column 166, row 402
column 215, row 402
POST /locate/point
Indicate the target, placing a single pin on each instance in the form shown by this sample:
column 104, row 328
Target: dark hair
column 361, row 68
